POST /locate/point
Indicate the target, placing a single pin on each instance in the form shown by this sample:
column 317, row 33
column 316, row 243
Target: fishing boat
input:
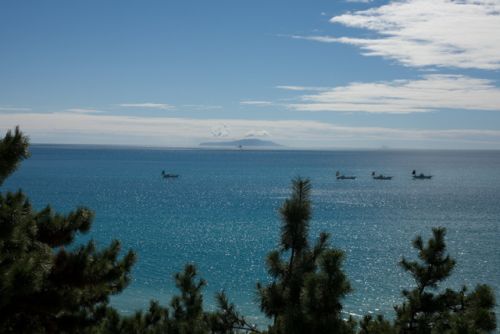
column 380, row 177
column 420, row 176
column 344, row 177
column 168, row 175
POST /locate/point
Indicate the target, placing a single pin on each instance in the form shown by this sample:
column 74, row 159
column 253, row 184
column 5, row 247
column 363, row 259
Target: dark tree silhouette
column 45, row 287
column 184, row 316
column 308, row 283
column 427, row 310
column 13, row 149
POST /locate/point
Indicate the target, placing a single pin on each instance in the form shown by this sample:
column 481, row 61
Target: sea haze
column 222, row 213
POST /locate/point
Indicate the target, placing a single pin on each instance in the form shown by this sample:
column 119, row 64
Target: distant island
column 250, row 142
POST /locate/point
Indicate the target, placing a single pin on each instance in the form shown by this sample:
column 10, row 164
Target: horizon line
column 260, row 148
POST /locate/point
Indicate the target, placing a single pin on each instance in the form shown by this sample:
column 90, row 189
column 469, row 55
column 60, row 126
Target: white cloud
column 301, row 88
column 14, row 109
column 84, row 111
column 201, row 107
column 419, row 33
column 256, row 103
column 361, row 1
column 220, row 131
column 431, row 92
column 257, row 133
column 322, row 39
column 165, row 131
column 147, row 105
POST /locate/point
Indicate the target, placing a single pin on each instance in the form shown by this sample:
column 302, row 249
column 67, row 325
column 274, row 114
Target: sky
column 305, row 74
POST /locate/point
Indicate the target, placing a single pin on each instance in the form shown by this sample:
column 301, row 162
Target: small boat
column 380, row 177
column 420, row 176
column 168, row 175
column 343, row 177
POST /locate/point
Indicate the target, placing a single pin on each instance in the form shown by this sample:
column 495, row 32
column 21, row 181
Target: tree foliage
column 46, row 286
column 308, row 282
column 184, row 316
column 13, row 149
column 428, row 310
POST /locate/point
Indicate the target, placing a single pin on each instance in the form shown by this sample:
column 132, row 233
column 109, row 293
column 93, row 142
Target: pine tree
column 13, row 149
column 377, row 325
column 184, row 316
column 45, row 287
column 227, row 320
column 188, row 314
column 428, row 311
column 308, row 283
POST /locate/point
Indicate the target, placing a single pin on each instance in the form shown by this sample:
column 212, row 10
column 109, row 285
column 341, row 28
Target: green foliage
column 155, row 321
column 185, row 315
column 227, row 320
column 187, row 308
column 427, row 310
column 308, row 283
column 379, row 325
column 13, row 149
column 45, row 287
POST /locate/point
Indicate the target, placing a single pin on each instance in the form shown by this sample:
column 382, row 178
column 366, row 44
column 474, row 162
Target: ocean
column 221, row 213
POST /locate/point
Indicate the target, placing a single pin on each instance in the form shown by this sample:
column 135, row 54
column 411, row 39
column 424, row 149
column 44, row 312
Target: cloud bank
column 429, row 93
column 73, row 128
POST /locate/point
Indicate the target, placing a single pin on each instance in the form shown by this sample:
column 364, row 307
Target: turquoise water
column 221, row 213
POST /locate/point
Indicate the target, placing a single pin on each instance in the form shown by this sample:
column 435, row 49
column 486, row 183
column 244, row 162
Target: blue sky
column 318, row 74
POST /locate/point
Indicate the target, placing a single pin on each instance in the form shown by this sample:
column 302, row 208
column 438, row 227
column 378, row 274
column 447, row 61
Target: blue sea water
column 222, row 213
